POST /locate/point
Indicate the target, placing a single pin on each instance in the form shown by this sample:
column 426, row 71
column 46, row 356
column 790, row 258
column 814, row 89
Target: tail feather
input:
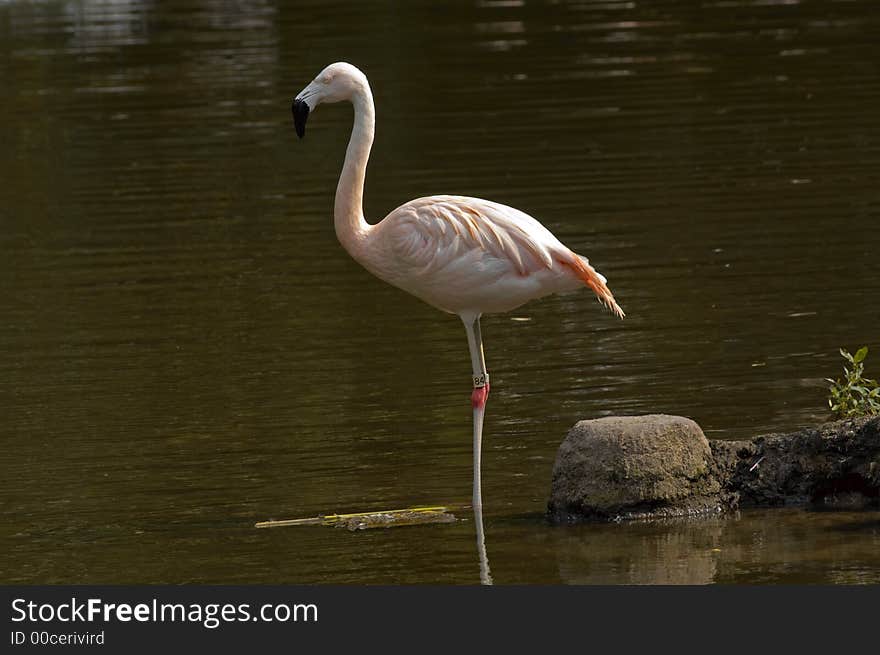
column 596, row 281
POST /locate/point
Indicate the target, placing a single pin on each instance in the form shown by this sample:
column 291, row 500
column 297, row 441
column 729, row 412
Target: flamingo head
column 337, row 82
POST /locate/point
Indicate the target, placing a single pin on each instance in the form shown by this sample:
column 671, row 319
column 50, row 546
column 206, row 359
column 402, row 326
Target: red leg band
column 479, row 396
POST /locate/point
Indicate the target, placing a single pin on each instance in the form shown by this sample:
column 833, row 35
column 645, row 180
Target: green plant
column 854, row 395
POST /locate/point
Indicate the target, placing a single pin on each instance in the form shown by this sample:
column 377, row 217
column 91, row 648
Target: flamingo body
column 472, row 256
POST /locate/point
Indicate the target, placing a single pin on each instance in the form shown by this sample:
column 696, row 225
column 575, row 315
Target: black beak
column 300, row 115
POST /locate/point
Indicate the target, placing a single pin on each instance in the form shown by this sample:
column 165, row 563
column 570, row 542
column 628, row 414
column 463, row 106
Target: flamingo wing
column 437, row 231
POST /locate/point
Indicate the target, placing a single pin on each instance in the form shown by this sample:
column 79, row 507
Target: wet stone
column 631, row 467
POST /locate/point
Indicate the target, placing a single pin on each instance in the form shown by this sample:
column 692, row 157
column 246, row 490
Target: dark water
column 185, row 349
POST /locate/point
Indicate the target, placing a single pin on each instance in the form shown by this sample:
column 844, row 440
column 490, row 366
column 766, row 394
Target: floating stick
column 363, row 520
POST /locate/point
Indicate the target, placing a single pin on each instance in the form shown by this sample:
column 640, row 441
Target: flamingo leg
column 479, row 396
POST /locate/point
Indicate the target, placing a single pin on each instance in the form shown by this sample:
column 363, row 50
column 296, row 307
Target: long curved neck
column 348, row 219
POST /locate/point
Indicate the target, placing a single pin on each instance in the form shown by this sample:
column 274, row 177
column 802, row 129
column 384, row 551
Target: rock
column 833, row 465
column 626, row 467
column 659, row 466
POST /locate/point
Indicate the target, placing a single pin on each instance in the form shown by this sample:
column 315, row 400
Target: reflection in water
column 185, row 349
column 781, row 545
column 485, row 572
column 668, row 552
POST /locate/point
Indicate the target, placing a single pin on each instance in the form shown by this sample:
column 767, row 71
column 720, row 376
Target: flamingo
column 464, row 256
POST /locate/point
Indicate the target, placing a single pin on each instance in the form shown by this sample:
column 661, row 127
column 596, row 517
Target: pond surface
column 185, row 349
